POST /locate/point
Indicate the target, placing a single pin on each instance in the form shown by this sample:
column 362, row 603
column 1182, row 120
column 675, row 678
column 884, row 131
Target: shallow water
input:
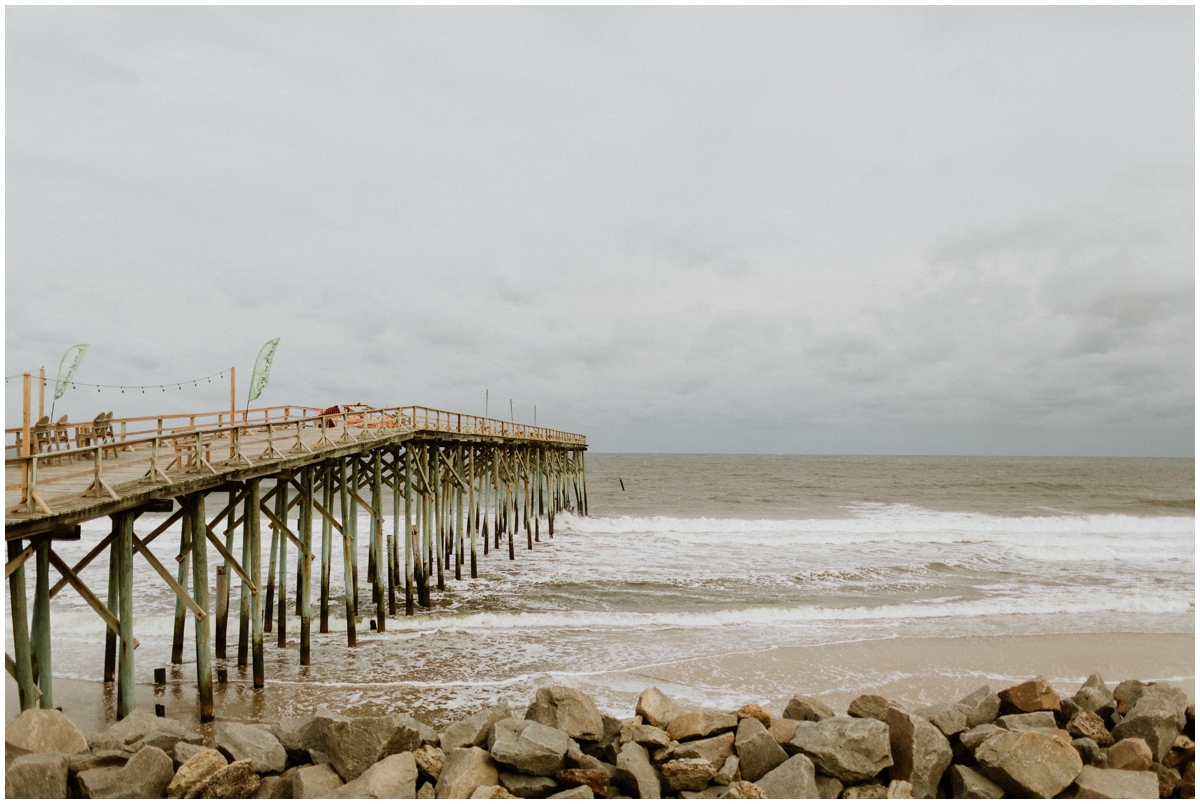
column 701, row 555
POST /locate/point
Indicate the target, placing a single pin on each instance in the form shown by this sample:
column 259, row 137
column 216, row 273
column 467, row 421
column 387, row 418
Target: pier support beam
column 20, row 629
column 125, row 671
column 41, row 627
column 304, row 560
column 327, row 476
column 185, row 556
column 253, row 534
column 281, row 509
column 347, row 555
column 200, row 593
column 377, row 537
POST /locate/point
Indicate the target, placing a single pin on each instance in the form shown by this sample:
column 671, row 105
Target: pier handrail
column 355, row 425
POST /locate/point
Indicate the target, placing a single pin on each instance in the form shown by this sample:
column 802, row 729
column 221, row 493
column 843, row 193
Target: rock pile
column 1025, row 741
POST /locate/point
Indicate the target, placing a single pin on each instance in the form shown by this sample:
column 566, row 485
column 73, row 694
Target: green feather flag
column 262, row 369
column 66, row 370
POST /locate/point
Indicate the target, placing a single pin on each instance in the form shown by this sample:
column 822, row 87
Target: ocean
column 705, row 556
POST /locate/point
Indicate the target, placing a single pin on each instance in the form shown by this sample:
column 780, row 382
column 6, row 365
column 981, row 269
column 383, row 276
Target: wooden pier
column 459, row 484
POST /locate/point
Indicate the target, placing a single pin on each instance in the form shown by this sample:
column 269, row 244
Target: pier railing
column 180, row 446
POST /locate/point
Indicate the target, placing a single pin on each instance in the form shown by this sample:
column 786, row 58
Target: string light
column 99, row 386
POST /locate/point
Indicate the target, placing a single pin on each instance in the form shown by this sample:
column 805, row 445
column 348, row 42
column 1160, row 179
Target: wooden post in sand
column 326, row 543
column 409, row 532
column 347, row 554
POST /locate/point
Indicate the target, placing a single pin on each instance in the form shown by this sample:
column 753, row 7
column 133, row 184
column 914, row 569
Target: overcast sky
column 816, row 230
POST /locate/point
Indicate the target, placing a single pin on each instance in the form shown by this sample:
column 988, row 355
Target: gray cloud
column 935, row 230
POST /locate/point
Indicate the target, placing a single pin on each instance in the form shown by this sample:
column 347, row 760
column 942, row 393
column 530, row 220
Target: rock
column 40, row 775
column 1095, row 696
column 141, row 728
column 352, row 746
column 304, row 732
column 426, row 791
column 636, row 772
column 849, row 749
column 1181, row 752
column 899, row 789
column 656, row 708
column 804, row 708
column 274, row 787
column 596, row 778
column 1101, row 783
column 1090, row 725
column 1029, row 764
column 316, row 781
column 796, row 778
column 429, row 760
column 973, row 738
column 568, row 710
column 688, row 774
column 743, row 790
column 1155, row 720
column 920, row 753
column 756, row 711
column 694, row 725
column 714, row 749
column 783, row 729
column 1132, row 753
column 1169, row 779
column 1168, row 693
column 394, row 776
column 195, row 772
column 1090, row 753
column 491, row 791
column 729, row 772
column 583, row 791
column 1126, row 695
column 1030, row 721
column 40, row 730
column 185, row 751
column 868, row 706
column 869, row 790
column 758, row 753
column 949, row 719
column 969, row 783
column 1188, row 788
column 1035, row 695
column 828, row 787
column 145, row 775
column 646, row 735
column 710, row 792
column 241, row 741
column 524, row 786
column 464, row 770
column 475, row 729
column 235, row 780
column 424, row 733
column 981, row 706
column 78, row 763
column 534, row 749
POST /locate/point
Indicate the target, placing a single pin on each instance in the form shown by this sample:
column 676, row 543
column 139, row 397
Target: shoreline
column 912, row 671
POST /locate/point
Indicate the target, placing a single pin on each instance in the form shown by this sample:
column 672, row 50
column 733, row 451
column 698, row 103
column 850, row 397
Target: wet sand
column 911, row 671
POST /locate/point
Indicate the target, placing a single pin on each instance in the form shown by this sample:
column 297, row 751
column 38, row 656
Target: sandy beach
column 910, row 671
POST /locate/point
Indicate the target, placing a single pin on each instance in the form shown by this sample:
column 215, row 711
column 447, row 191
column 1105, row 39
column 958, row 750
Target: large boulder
column 464, row 770
column 754, row 710
column 920, row 752
column 796, row 778
column 568, row 710
column 868, row 706
column 1102, row 783
column 636, row 773
column 714, row 749
column 688, row 774
column 1027, row 721
column 783, row 729
column 1095, row 696
column 352, row 746
column 235, row 780
column 1155, row 720
column 1169, row 779
column 804, row 708
column 1034, row 695
column 742, row 789
column 394, row 776
column 195, row 772
column 949, row 719
column 274, row 787
column 41, row 775
column 300, row 735
column 849, row 749
column 758, row 753
column 981, row 706
column 656, row 708
column 1088, row 724
column 146, row 775
column 1132, row 753
column 598, row 779
column 583, row 791
column 141, row 728
column 240, row 741
column 475, row 729
column 315, row 781
column 1090, row 753
column 651, row 736
column 429, row 760
column 972, row 739
column 694, row 725
column 529, row 747
column 967, row 782
column 1029, row 764
column 40, row 730
column 523, row 785
column 1126, row 695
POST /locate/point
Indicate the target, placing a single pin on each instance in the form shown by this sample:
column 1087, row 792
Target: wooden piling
column 304, row 560
column 347, row 555
column 377, row 541
column 200, row 595
column 40, row 636
column 326, row 544
column 245, row 605
column 281, row 509
column 125, row 662
column 114, row 606
column 472, row 518
column 222, row 610
column 253, row 534
column 20, row 628
column 409, row 532
column 351, row 524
